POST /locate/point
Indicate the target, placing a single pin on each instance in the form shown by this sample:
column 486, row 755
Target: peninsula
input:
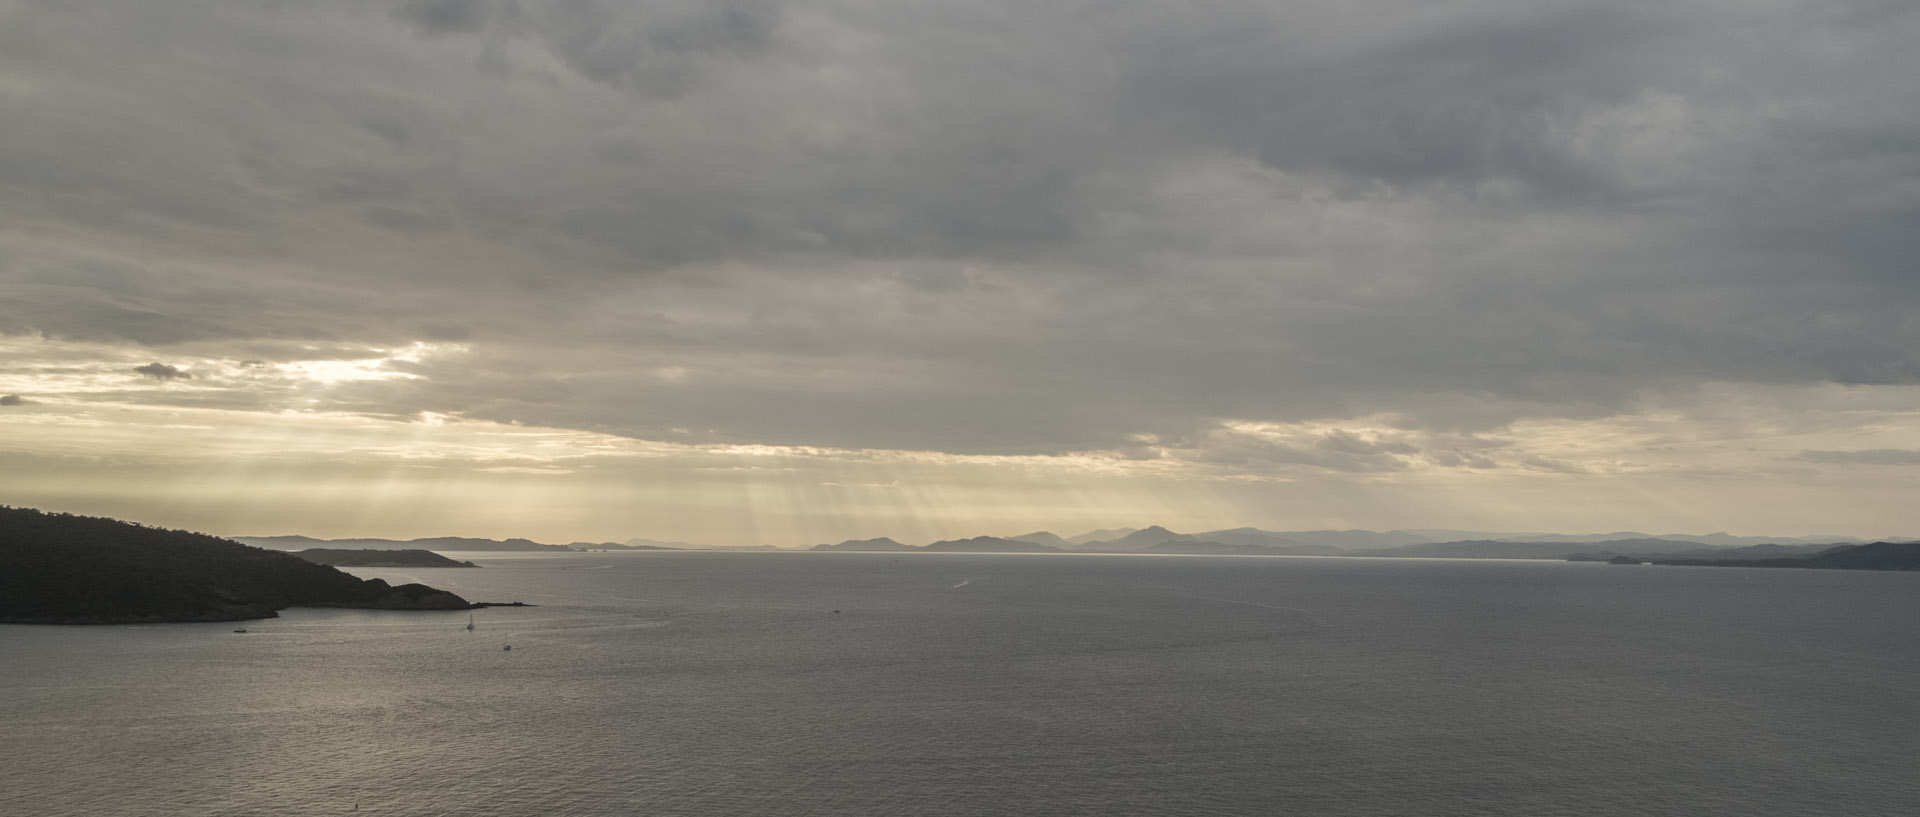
column 64, row 569
column 378, row 558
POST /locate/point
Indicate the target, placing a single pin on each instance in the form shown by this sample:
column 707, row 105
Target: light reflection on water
column 726, row 683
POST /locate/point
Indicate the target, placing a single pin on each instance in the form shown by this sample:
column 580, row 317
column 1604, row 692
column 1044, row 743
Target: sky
column 743, row 272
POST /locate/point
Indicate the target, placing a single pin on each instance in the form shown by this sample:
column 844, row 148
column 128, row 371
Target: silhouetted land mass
column 1481, row 549
column 1102, row 535
column 1441, row 543
column 65, row 569
column 429, row 543
column 1647, row 550
column 1211, row 548
column 1874, row 556
column 1048, row 538
column 880, row 544
column 379, row 558
column 654, row 544
column 1136, row 541
column 978, row 544
column 989, row 544
column 295, row 543
column 592, row 546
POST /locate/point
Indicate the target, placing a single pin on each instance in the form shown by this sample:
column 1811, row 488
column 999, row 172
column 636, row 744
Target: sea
column 716, row 683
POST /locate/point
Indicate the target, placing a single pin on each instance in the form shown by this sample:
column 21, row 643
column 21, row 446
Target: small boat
column 469, row 622
column 239, row 629
column 506, row 647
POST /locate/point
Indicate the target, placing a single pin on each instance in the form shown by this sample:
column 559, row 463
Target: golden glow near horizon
column 230, row 450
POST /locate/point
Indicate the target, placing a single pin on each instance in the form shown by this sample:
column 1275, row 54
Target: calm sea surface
column 953, row 684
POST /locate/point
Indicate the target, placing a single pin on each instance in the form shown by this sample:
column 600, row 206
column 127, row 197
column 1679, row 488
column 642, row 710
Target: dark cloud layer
column 982, row 227
column 162, row 371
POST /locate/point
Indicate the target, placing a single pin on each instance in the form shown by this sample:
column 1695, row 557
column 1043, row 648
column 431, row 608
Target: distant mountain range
column 978, row 544
column 989, row 544
column 881, row 544
column 435, row 543
column 1421, row 543
column 1091, row 536
column 473, row 544
column 1430, row 543
column 655, row 544
column 1044, row 538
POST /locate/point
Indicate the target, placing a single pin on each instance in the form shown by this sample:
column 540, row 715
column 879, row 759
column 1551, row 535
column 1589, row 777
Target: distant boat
column 469, row 622
column 239, row 629
column 506, row 647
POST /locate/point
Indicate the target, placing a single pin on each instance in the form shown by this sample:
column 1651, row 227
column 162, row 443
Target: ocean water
column 959, row 684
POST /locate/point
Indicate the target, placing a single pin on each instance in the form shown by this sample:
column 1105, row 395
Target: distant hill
column 1716, row 540
column 1482, row 549
column 1589, row 551
column 880, row 544
column 1129, row 540
column 1391, row 544
column 988, row 544
column 1354, row 539
column 1428, row 543
column 593, row 546
column 1100, row 535
column 655, row 544
column 1874, row 556
column 429, row 543
column 1669, row 550
column 1042, row 537
column 65, row 569
column 1366, row 540
column 378, row 558
column 1251, row 536
column 978, row 544
column 1135, row 541
column 1204, row 547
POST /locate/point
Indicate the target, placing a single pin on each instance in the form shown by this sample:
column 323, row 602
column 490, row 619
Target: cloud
column 435, row 17
column 162, row 371
column 1874, row 456
column 1554, row 464
column 14, row 400
column 662, row 49
column 1460, row 459
column 991, row 229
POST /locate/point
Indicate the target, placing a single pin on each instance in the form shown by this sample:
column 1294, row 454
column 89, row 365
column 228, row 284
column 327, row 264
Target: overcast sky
column 786, row 272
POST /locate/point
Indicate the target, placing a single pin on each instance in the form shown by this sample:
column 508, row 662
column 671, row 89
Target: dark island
column 1874, row 556
column 64, row 569
column 378, row 558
